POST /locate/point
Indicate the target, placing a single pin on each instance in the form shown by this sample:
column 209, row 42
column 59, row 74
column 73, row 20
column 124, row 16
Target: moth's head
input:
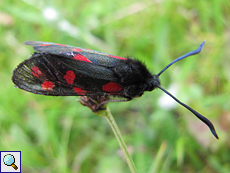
column 152, row 83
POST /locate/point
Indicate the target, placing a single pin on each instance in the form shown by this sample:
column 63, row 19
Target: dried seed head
column 95, row 103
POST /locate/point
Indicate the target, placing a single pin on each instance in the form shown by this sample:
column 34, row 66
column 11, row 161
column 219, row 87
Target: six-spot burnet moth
column 61, row 70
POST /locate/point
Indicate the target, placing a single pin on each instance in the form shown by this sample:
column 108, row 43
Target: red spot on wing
column 77, row 50
column 79, row 91
column 81, row 58
column 69, row 77
column 112, row 87
column 44, row 44
column 36, row 72
column 47, row 86
column 60, row 44
column 117, row 57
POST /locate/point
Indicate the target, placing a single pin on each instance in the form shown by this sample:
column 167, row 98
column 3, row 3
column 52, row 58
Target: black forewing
column 95, row 57
column 89, row 77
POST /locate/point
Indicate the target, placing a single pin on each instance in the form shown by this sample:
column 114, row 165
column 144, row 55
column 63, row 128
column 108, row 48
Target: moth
column 61, row 70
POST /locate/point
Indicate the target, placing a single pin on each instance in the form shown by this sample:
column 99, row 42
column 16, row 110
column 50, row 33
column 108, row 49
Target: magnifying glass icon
column 9, row 160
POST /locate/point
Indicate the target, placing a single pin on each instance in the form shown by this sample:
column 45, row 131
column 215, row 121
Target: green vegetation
column 58, row 135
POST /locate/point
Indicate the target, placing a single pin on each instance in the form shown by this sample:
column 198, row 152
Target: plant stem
column 107, row 114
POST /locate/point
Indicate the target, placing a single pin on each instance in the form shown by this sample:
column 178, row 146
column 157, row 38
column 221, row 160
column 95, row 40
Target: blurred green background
column 57, row 134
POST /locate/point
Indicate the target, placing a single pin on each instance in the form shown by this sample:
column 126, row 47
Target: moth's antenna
column 201, row 117
column 182, row 57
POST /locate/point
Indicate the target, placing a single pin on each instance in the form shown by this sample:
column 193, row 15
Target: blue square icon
column 10, row 161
